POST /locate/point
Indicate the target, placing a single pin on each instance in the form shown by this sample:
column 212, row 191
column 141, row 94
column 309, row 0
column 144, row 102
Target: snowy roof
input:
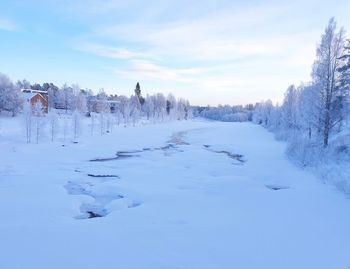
column 37, row 91
column 28, row 95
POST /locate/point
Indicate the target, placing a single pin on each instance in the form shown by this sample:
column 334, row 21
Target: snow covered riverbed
column 190, row 194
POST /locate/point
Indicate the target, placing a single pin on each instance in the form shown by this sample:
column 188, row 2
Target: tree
column 135, row 109
column 148, row 107
column 54, row 126
column 289, row 108
column 118, row 116
column 138, row 94
column 23, row 84
column 262, row 113
column 344, row 79
column 68, row 96
column 171, row 106
column 36, row 87
column 65, row 127
column 10, row 99
column 308, row 109
column 326, row 78
column 102, row 107
column 39, row 120
column 102, row 102
column 27, row 115
column 53, row 95
column 92, row 122
column 160, row 106
column 138, row 89
column 124, row 108
column 13, row 101
column 76, row 120
column 81, row 104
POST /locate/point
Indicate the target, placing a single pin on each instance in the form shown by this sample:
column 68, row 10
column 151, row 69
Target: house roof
column 28, row 95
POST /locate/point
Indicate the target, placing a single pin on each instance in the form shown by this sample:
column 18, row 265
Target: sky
column 210, row 52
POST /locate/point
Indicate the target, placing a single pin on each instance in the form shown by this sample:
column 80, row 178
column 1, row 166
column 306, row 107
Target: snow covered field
column 191, row 194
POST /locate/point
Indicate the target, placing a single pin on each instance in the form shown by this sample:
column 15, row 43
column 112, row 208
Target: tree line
column 315, row 113
column 72, row 98
column 69, row 105
column 226, row 113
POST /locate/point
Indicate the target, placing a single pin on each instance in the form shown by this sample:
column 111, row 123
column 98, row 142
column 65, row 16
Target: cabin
column 35, row 97
column 113, row 105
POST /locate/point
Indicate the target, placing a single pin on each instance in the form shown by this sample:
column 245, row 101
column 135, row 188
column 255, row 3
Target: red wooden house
column 34, row 97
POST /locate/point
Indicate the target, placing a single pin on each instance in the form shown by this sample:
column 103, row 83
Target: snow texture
column 192, row 194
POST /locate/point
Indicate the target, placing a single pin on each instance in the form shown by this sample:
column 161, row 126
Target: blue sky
column 210, row 52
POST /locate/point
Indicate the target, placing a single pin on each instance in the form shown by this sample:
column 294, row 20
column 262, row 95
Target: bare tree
column 27, row 115
column 76, row 124
column 39, row 120
column 54, row 126
column 326, row 77
column 92, row 122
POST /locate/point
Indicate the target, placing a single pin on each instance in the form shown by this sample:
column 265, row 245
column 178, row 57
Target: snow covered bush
column 224, row 113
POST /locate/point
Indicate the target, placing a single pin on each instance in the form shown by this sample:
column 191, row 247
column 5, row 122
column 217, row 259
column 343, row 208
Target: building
column 35, row 97
column 113, row 105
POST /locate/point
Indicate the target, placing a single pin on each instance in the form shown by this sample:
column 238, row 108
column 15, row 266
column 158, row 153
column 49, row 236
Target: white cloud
column 8, row 25
column 228, row 35
column 148, row 70
column 109, row 51
column 244, row 52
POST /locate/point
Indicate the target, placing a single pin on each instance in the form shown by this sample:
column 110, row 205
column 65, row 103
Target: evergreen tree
column 138, row 94
column 344, row 80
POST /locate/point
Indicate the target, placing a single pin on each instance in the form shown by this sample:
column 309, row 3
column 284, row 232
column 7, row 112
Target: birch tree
column 27, row 116
column 39, row 121
column 76, row 124
column 326, row 77
column 53, row 124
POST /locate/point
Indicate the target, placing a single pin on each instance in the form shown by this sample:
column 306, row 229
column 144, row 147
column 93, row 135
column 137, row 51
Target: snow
column 28, row 95
column 181, row 206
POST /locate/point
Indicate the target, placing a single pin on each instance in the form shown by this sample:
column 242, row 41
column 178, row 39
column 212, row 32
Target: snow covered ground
column 193, row 194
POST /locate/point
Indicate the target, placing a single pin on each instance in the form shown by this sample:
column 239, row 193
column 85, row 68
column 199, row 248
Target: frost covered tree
column 65, row 127
column 160, row 106
column 118, row 117
column 262, row 113
column 81, row 102
column 68, row 98
column 124, row 108
column 10, row 99
column 27, row 116
column 289, row 108
column 102, row 102
column 53, row 94
column 76, row 124
column 223, row 113
column 102, row 107
column 53, row 124
column 344, row 80
column 92, row 122
column 38, row 121
column 314, row 112
column 308, row 110
column 135, row 108
column 326, row 78
column 23, row 84
column 148, row 107
column 171, row 106
column 181, row 109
